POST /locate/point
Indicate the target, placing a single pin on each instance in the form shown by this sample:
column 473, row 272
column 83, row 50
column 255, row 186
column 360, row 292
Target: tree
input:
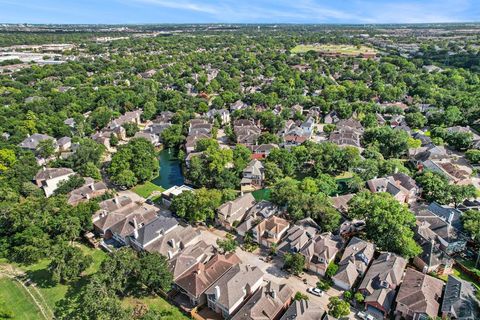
column 137, row 157
column 391, row 143
column 149, row 110
column 73, row 182
column 68, row 262
column 471, row 223
column 89, row 169
column 172, row 136
column 294, row 262
column 473, row 156
column 458, row 193
column 460, row 140
column 434, row 186
column 359, row 298
column 7, row 159
column 100, row 117
column 46, row 148
column 331, row 270
column 130, row 128
column 119, row 270
column 338, row 308
column 241, row 157
column 113, row 140
column 415, row 120
column 227, row 245
column 300, row 296
column 389, row 224
column 154, row 272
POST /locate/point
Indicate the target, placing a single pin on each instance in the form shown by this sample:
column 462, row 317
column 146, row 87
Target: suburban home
column 435, row 226
column 194, row 282
column 298, row 236
column 253, row 176
column 402, row 187
column 111, row 211
column 145, row 235
column 89, row 190
column 303, row 310
column 199, row 252
column 64, row 144
column 267, row 303
column 460, row 301
column 320, row 251
column 232, row 212
column 246, row 131
column 432, row 258
column 347, row 133
column 354, row 263
column 454, row 173
column 129, row 117
column 134, row 220
column 341, row 202
column 49, row 179
column 199, row 126
column 170, row 193
column 222, row 114
column 331, row 118
column 153, row 138
column 419, row 296
column 238, row 105
column 235, row 286
column 379, row 283
column 191, row 141
column 262, row 151
column 32, row 142
column 269, row 231
column 261, row 210
column 174, row 241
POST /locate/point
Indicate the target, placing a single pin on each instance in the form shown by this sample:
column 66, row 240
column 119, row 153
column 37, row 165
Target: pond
column 170, row 171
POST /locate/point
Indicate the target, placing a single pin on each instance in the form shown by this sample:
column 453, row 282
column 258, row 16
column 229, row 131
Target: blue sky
column 238, row 11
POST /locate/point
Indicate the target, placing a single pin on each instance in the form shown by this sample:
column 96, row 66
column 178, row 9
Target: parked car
column 315, row 291
column 361, row 315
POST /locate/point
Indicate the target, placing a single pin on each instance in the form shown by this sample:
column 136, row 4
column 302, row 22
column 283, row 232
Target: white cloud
column 183, row 5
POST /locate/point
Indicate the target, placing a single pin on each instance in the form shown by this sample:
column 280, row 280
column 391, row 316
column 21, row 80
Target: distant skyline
column 238, row 11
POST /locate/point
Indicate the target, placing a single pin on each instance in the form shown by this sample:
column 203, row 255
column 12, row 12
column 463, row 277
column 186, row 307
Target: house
column 238, row 105
column 261, row 210
column 460, row 301
column 235, row 286
column 174, row 241
column 70, row 122
column 267, row 303
column 419, row 296
column 32, row 142
column 246, row 132
column 232, row 212
column 170, row 193
column 253, row 176
column 303, row 310
column 150, row 232
column 347, row 133
column 222, row 114
column 128, row 117
column 298, row 236
column 379, row 283
column 269, row 232
column 191, row 141
column 441, row 225
column 354, row 263
column 447, row 168
column 111, row 211
column 49, row 179
column 150, row 137
column 331, row 118
column 308, row 126
column 262, row 151
column 64, row 144
column 320, row 251
column 199, row 126
column 432, row 258
column 199, row 252
column 121, row 231
column 400, row 186
column 148, row 74
column 341, row 202
column 202, row 276
column 89, row 190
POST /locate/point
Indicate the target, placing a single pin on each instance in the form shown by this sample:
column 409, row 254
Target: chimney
column 450, row 217
column 170, row 255
column 388, row 256
column 92, row 186
column 116, row 201
column 135, row 226
column 273, row 293
column 173, row 243
column 217, row 292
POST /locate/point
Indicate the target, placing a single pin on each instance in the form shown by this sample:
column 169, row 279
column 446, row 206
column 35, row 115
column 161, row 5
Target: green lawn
column 262, row 194
column 146, row 189
column 333, row 48
column 170, row 312
column 16, row 299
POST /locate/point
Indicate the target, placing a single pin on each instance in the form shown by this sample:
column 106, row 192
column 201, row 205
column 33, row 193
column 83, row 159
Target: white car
column 315, row 291
column 362, row 315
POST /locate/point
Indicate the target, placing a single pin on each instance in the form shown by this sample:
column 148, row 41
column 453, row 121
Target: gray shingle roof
column 459, row 300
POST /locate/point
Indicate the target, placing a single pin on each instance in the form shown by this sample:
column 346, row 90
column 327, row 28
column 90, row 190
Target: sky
column 238, row 11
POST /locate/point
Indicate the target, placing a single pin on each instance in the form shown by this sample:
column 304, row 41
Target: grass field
column 16, row 299
column 146, row 189
column 169, row 312
column 347, row 50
